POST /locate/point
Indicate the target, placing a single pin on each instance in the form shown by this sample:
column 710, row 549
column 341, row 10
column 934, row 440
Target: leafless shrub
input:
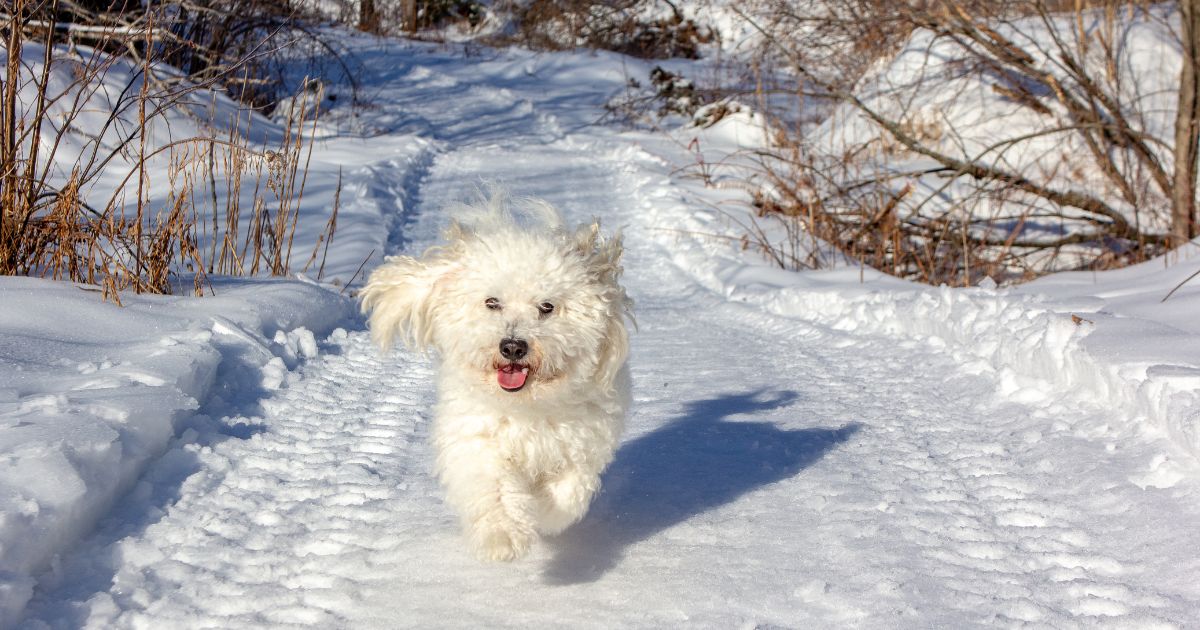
column 411, row 16
column 668, row 93
column 1085, row 178
column 624, row 26
column 244, row 47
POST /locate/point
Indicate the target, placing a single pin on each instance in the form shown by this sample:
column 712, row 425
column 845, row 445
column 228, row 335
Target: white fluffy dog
column 528, row 319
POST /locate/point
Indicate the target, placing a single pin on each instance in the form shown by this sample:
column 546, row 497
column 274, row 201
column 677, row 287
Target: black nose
column 513, row 349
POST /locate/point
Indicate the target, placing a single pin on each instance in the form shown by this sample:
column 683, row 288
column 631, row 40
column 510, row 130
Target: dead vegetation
column 892, row 173
column 408, row 16
column 639, row 28
column 81, row 132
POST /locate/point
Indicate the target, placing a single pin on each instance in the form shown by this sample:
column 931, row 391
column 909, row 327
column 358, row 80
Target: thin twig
column 359, row 270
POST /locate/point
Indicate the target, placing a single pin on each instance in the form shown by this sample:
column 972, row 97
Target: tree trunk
column 9, row 112
column 1187, row 126
column 410, row 15
column 368, row 17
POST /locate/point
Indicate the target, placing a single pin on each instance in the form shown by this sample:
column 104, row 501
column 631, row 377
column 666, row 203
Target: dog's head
column 516, row 301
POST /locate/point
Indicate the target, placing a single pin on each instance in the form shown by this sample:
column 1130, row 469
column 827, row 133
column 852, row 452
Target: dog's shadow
column 693, row 464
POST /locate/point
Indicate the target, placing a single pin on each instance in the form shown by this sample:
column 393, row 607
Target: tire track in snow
column 270, row 530
column 946, row 507
column 977, row 500
column 963, row 490
column 987, row 492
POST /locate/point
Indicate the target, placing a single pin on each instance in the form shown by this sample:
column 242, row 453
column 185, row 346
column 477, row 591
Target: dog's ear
column 456, row 232
column 615, row 348
column 603, row 255
column 401, row 296
column 585, row 237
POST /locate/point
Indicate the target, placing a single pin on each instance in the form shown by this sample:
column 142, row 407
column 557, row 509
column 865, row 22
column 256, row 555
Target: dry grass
column 245, row 203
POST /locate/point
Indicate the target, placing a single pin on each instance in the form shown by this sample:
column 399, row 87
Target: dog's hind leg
column 493, row 499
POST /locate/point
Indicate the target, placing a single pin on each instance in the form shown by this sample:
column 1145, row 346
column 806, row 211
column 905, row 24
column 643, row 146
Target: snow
column 1126, row 348
column 91, row 393
column 807, row 449
column 1122, row 350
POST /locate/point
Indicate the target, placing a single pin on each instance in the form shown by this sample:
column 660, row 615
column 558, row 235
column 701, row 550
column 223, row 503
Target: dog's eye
column 492, row 303
column 546, row 308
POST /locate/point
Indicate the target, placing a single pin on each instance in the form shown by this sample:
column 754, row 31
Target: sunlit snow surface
column 814, row 450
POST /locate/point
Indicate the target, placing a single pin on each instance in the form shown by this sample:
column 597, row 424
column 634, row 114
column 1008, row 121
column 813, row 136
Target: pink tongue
column 510, row 378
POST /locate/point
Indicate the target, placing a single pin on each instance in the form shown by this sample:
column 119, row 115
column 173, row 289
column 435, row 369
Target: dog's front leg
column 563, row 500
column 491, row 496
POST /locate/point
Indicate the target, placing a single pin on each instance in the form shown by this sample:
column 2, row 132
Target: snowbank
column 1037, row 345
column 90, row 393
column 1092, row 338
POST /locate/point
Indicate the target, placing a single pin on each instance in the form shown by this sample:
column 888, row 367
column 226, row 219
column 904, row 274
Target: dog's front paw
column 501, row 544
column 573, row 492
column 564, row 501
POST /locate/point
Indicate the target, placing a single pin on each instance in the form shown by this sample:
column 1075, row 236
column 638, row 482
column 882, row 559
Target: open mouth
column 512, row 376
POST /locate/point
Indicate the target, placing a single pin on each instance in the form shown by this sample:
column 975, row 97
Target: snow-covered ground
column 806, row 450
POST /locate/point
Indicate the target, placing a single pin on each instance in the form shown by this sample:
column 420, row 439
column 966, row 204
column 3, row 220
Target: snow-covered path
column 777, row 472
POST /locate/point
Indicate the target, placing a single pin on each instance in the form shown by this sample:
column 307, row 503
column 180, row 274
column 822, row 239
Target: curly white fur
column 520, row 463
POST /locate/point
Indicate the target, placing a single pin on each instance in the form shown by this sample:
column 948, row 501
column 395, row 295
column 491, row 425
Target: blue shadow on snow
column 695, row 463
